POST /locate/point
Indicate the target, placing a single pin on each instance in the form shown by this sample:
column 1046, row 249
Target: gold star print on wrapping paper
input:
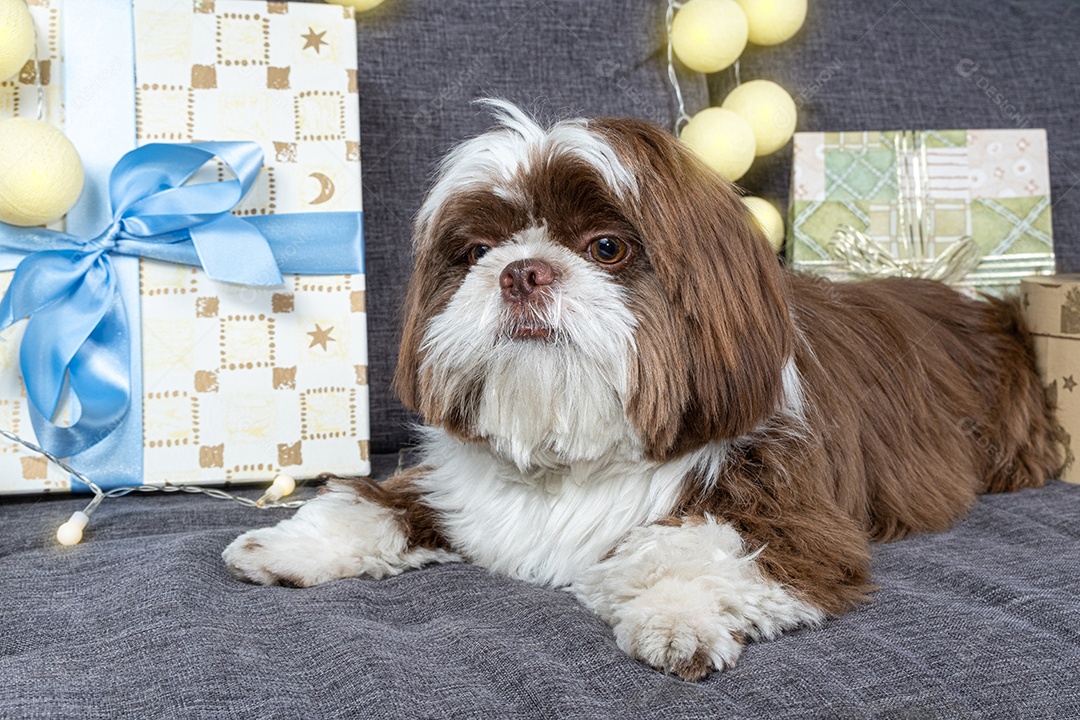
column 320, row 336
column 1069, row 383
column 314, row 39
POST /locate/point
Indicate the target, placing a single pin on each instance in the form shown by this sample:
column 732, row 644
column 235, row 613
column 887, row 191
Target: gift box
column 246, row 342
column 1051, row 307
column 968, row 207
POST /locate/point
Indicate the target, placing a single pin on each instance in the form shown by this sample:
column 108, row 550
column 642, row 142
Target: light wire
column 100, row 494
column 673, row 76
column 37, row 69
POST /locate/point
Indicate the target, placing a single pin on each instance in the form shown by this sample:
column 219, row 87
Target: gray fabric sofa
column 142, row 620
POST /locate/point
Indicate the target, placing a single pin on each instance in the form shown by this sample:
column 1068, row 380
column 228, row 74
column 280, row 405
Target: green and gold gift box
column 969, row 207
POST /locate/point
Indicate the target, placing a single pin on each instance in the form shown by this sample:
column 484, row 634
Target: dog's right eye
column 476, row 252
column 608, row 251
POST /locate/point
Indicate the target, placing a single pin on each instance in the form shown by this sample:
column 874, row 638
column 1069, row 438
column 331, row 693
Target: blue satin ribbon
column 78, row 333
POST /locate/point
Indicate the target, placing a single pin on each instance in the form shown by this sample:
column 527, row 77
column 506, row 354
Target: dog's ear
column 406, row 374
column 436, row 277
column 710, row 363
column 428, row 292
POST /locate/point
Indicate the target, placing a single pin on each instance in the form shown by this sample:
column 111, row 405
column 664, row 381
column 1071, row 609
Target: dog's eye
column 608, row 251
column 476, row 252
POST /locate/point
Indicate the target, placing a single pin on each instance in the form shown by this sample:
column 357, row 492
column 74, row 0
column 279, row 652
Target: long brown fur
column 915, row 397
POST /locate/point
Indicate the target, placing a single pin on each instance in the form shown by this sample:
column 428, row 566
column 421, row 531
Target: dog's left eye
column 608, row 250
column 476, row 252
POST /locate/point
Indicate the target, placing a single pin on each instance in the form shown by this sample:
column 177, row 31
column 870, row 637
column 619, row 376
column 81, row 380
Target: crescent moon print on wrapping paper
column 326, row 188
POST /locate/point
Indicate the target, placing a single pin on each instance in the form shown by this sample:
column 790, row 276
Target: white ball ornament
column 770, row 111
column 722, row 139
column 16, row 37
column 773, row 21
column 768, row 219
column 709, row 35
column 41, row 175
column 357, row 5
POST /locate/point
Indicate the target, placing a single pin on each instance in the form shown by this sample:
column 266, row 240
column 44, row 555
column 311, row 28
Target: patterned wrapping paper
column 991, row 186
column 1051, row 307
column 240, row 383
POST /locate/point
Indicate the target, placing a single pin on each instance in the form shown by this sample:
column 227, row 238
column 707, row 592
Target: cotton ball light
column 768, row 219
column 722, row 139
column 71, row 532
column 357, row 5
column 768, row 109
column 16, row 37
column 41, row 175
column 709, row 35
column 283, row 485
column 773, row 21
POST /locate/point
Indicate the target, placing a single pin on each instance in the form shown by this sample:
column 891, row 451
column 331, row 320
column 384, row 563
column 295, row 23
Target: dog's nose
column 521, row 278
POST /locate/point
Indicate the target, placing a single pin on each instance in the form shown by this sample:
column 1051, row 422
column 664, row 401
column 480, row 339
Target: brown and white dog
column 626, row 395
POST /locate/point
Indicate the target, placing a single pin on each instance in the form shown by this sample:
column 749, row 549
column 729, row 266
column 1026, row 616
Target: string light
column 71, row 532
column 755, row 119
column 709, row 35
column 282, row 486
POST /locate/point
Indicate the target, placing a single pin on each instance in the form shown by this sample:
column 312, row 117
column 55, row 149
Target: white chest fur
column 550, row 526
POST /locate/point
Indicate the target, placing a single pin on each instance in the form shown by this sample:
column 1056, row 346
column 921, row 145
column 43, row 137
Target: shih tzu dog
column 626, row 395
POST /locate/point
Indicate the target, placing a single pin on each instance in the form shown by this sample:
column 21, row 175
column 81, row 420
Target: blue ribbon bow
column 78, row 327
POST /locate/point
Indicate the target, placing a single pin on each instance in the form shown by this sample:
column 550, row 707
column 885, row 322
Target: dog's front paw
column 676, row 630
column 273, row 556
column 339, row 534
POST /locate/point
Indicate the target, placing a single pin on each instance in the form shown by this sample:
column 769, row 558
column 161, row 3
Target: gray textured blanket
column 143, row 621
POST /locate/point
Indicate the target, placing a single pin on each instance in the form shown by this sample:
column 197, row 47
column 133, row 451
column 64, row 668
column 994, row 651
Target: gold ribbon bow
column 862, row 256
